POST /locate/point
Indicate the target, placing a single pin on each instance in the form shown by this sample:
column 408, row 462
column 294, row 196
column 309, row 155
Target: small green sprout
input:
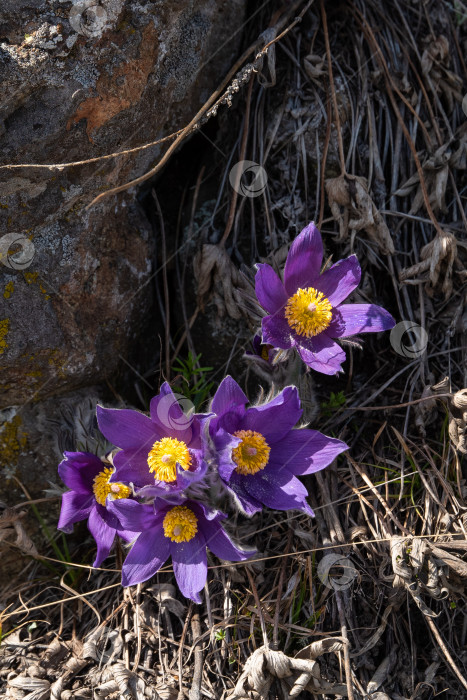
column 336, row 401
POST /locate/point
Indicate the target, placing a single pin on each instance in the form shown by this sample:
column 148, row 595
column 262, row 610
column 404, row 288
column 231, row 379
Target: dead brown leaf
column 295, row 674
column 353, row 208
column 10, row 523
column 315, row 66
column 219, row 279
column 437, row 260
column 458, row 420
column 435, row 63
column 424, row 412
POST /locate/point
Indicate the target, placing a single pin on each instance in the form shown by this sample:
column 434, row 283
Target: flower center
column 308, row 312
column 164, row 457
column 180, row 524
column 101, row 487
column 265, row 352
column 252, row 454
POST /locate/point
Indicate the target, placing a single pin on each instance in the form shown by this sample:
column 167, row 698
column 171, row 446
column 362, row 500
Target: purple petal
column 259, row 350
column 126, row 428
column 204, row 512
column 246, row 502
column 168, row 416
column 277, row 332
column 226, row 467
column 340, row 280
column 103, row 534
column 163, row 503
column 159, row 489
column 350, row 319
column 228, row 394
column 127, row 535
column 306, row 451
column 279, row 490
column 220, row 543
column 190, row 566
column 109, row 518
column 322, row 354
column 134, row 516
column 224, row 442
column 186, row 478
column 304, row 260
column 276, row 418
column 228, row 422
column 256, row 344
column 150, row 551
column 78, row 470
column 269, row 289
column 75, row 507
column 131, row 466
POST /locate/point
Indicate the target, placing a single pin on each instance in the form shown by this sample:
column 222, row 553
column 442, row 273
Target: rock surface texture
column 80, row 80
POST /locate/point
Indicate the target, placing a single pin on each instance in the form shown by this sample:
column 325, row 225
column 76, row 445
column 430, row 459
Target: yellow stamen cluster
column 252, row 454
column 101, row 487
column 164, row 457
column 180, row 524
column 308, row 312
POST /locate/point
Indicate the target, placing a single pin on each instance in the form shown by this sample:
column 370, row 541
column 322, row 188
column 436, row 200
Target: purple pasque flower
column 265, row 360
column 261, row 351
column 305, row 311
column 181, row 530
column 163, row 452
column 260, row 454
column 88, row 478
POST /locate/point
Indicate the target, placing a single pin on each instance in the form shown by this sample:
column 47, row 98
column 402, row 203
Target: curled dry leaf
column 420, row 567
column 165, row 595
column 126, row 684
column 424, row 412
column 103, row 645
column 436, row 173
column 457, row 407
column 55, row 652
column 39, row 688
column 435, row 66
column 376, row 636
column 436, row 265
column 382, row 671
column 459, row 148
column 71, row 668
column 353, row 208
column 317, row 649
column 218, row 278
column 315, row 66
column 10, row 524
column 448, row 559
column 295, row 674
column 458, row 420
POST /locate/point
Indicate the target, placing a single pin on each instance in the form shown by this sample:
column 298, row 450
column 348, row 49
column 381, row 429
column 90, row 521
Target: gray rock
column 80, row 80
